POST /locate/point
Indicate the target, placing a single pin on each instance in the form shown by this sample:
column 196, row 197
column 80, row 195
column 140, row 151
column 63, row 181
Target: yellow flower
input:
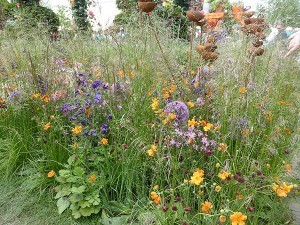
column 172, row 116
column 155, row 197
column 207, row 127
column 242, row 90
column 283, row 190
column 222, row 147
column 152, row 150
column 77, row 129
column 238, row 218
column 92, row 177
column 206, row 207
column 51, row 173
column 201, row 192
column 121, row 73
column 36, row 95
column 218, row 188
column 288, row 167
column 172, row 88
column 51, row 117
column 222, row 219
column 45, row 98
column 76, row 145
column 155, row 187
column 217, row 165
column 166, row 95
column 223, row 175
column 104, row 141
column 268, row 166
column 191, row 104
column 197, row 177
column 155, row 103
column 192, row 123
column 47, row 126
column 239, row 196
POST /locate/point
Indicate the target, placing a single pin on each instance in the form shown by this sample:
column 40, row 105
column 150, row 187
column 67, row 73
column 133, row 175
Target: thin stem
column 159, row 45
column 191, row 44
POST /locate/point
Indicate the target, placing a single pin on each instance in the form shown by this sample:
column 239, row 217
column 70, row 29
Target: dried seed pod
column 257, row 43
column 200, row 48
column 194, row 15
column 211, row 39
column 253, row 28
column 209, row 47
column 249, row 14
column 256, row 51
column 146, row 7
column 260, row 35
column 201, row 22
column 211, row 56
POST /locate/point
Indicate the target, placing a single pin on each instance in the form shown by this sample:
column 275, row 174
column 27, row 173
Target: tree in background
column 286, row 11
column 80, row 14
column 184, row 4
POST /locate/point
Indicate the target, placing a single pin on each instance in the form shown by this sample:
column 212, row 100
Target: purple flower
column 13, row 95
column 179, row 109
column 65, row 108
column 97, row 98
column 96, row 84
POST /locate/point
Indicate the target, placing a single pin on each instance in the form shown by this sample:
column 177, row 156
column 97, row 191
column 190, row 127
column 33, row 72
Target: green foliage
column 79, row 189
column 126, row 5
column 79, row 9
column 286, row 11
column 184, row 4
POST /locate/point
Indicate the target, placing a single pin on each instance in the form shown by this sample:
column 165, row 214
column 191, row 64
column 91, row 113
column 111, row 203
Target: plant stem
column 191, row 45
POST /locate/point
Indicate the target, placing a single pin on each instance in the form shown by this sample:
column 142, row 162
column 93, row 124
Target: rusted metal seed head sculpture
column 194, row 15
column 146, row 7
column 249, row 14
column 201, row 22
column 210, row 56
column 257, row 43
column 210, row 47
column 200, row 48
column 211, row 40
column 256, row 51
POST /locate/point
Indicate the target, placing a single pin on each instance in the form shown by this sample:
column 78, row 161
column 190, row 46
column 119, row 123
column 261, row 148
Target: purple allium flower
column 179, row 109
column 88, row 101
column 97, row 98
column 96, row 84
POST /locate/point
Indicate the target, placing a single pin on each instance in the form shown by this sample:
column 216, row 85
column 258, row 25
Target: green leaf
column 78, row 190
column 76, row 198
column 72, row 179
column 63, row 191
column 78, row 171
column 64, row 173
column 84, row 204
column 74, row 206
column 76, row 214
column 62, row 205
column 71, row 159
column 86, row 211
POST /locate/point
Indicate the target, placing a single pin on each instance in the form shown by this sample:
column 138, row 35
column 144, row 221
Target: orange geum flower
column 206, row 207
column 288, row 167
column 191, row 104
column 283, row 189
column 203, row 123
column 208, row 126
column 192, row 123
column 197, row 177
column 104, row 141
column 92, row 177
column 155, row 197
column 172, row 88
column 51, row 173
column 243, row 90
column 238, row 218
column 77, row 129
column 222, row 219
column 218, row 188
column 47, row 126
column 222, row 147
column 223, row 175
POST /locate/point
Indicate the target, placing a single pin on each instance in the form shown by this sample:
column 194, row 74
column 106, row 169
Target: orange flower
column 223, row 175
column 207, row 127
column 92, row 177
column 77, row 129
column 242, row 90
column 239, row 196
column 155, row 197
column 206, row 207
column 283, row 189
column 104, row 141
column 51, row 173
column 87, row 111
column 222, row 147
column 192, row 123
column 222, row 219
column 197, row 177
column 152, row 150
column 218, row 188
column 191, row 104
column 238, row 218
column 288, row 167
column 47, row 126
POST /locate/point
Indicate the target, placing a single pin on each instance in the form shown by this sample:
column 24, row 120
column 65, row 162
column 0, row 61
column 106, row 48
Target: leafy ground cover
column 101, row 131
